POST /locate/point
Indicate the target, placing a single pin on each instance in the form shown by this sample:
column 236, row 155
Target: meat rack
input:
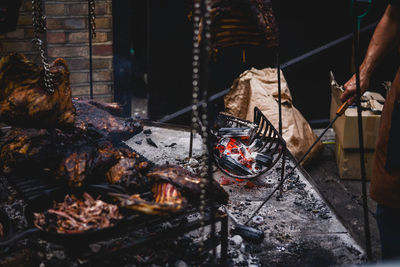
column 38, row 191
column 270, row 141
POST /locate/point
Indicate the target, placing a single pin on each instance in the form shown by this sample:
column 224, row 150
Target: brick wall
column 67, row 37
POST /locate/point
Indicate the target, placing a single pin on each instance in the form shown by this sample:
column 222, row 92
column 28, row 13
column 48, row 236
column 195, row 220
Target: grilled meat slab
column 24, row 100
column 72, row 157
column 128, row 172
column 167, row 200
column 187, row 183
column 96, row 119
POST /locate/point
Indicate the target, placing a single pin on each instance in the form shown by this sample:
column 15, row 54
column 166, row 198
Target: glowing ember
column 237, row 157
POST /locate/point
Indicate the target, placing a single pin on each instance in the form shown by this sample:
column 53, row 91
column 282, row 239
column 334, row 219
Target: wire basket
column 258, row 139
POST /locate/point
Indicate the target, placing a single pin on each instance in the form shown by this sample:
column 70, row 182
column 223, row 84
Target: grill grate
column 263, row 139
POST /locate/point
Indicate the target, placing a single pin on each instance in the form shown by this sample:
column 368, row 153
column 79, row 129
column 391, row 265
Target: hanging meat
column 241, row 22
column 25, row 102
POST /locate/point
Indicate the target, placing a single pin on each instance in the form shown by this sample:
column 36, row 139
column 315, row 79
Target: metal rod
column 189, row 108
column 356, row 47
column 281, row 66
column 324, row 47
column 90, row 51
column 224, row 241
column 191, row 143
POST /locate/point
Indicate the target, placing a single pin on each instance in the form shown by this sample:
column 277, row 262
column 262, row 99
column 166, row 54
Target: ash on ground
column 300, row 229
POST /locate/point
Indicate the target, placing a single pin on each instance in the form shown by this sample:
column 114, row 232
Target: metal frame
column 267, row 134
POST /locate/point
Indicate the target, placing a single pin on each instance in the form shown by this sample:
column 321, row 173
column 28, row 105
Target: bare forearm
column 382, row 41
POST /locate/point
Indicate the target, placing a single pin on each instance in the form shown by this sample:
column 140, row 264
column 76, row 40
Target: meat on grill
column 24, row 100
column 172, row 187
column 50, row 152
column 166, row 200
column 75, row 215
column 128, row 172
column 95, row 118
column 187, row 183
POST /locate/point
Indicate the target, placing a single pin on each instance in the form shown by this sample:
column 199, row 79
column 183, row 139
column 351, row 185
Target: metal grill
column 263, row 139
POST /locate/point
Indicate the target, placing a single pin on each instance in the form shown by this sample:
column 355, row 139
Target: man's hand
column 350, row 88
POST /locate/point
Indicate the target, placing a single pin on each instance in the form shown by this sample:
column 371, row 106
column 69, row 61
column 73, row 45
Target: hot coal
column 233, row 166
column 242, row 133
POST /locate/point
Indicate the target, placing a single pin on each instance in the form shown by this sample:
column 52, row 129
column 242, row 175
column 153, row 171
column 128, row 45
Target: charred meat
column 129, row 172
column 25, row 102
column 95, row 118
column 186, row 182
column 166, row 200
column 78, row 215
column 72, row 157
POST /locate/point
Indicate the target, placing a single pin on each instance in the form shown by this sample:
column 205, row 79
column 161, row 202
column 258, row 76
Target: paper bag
column 260, row 88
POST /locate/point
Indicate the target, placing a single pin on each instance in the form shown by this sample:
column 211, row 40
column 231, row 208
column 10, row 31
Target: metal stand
column 356, row 47
column 90, row 49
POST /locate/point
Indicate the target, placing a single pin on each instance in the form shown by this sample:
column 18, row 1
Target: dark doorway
column 153, row 44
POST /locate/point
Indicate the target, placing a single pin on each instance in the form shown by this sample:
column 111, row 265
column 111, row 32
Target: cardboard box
column 346, row 126
column 348, row 162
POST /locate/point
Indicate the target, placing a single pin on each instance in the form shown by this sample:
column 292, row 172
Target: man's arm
column 383, row 40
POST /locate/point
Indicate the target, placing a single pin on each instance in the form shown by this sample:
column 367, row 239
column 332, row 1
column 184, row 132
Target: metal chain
column 92, row 7
column 197, row 122
column 39, row 26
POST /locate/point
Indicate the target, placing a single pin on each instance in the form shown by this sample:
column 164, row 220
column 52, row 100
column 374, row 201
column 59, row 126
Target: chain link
column 200, row 123
column 39, row 26
column 92, row 14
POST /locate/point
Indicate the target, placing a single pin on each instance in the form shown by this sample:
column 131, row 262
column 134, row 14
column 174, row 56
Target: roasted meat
column 128, row 171
column 73, row 157
column 24, row 100
column 187, row 183
column 87, row 163
column 241, row 22
column 166, row 200
column 78, row 215
column 173, row 186
column 96, row 119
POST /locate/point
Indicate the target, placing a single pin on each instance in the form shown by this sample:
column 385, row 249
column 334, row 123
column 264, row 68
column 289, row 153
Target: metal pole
column 90, row 50
column 360, row 129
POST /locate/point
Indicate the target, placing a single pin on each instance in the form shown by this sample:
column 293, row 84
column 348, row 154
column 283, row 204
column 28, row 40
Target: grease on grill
column 77, row 215
column 1, row 231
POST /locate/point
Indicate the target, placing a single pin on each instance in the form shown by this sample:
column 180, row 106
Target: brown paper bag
column 260, row 88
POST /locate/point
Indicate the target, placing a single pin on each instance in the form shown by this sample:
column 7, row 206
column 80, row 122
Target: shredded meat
column 78, row 215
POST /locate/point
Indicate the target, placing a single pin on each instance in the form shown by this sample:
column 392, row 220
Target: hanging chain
column 197, row 122
column 92, row 14
column 39, row 26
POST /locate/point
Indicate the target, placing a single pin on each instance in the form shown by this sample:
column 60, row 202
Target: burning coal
column 235, row 156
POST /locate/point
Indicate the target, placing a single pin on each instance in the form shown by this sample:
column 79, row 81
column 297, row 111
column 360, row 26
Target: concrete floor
column 343, row 196
column 303, row 228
